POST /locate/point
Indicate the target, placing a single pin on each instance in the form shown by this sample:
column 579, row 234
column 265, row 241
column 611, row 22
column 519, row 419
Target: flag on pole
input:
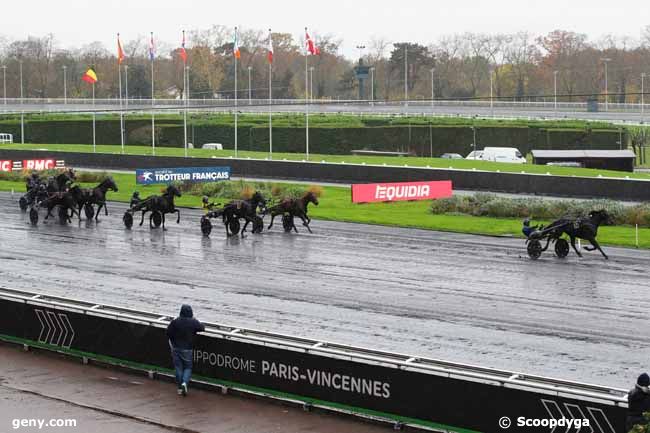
column 182, row 52
column 310, row 45
column 270, row 54
column 151, row 48
column 120, row 52
column 235, row 45
column 90, row 76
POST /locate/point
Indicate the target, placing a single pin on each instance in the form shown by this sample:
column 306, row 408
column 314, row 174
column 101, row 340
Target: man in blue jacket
column 181, row 332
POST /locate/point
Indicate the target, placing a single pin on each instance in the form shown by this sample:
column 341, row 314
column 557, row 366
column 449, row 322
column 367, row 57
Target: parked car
column 451, row 156
column 503, row 154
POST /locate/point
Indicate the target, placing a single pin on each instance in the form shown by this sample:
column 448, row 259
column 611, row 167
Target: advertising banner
column 403, row 191
column 31, row 164
column 181, row 174
column 438, row 400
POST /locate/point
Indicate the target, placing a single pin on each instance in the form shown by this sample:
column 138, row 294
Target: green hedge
column 418, row 139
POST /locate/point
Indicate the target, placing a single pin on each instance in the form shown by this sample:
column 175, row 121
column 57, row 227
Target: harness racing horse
column 583, row 227
column 66, row 201
column 61, row 182
column 246, row 209
column 159, row 205
column 292, row 207
column 96, row 196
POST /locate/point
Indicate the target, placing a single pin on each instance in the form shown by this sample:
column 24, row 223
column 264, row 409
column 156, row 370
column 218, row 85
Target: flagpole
column 126, row 101
column 185, row 83
column 235, row 54
column 94, row 134
column 153, row 105
column 306, row 103
column 270, row 111
column 119, row 80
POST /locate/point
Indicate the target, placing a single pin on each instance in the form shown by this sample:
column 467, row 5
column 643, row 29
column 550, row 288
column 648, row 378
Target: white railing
column 540, row 384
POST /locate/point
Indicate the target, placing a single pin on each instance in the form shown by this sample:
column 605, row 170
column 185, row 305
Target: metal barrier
column 428, row 393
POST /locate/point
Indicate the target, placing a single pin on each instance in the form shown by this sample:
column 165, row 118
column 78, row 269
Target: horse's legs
column 272, row 218
column 142, row 219
column 105, row 208
column 79, row 213
column 305, row 221
column 178, row 220
column 596, row 245
column 573, row 244
column 245, row 225
column 163, row 223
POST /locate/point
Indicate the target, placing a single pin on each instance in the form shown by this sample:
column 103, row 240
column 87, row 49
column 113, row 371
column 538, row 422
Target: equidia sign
column 374, row 192
column 181, row 174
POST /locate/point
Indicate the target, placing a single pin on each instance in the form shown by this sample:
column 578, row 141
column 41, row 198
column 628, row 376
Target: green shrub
column 491, row 205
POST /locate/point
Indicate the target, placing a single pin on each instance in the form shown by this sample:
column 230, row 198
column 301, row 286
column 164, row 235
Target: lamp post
column 406, row 76
column 372, row 85
column 4, row 83
column 126, row 86
column 65, row 86
column 21, row 82
column 642, row 91
column 250, row 93
column 491, row 91
column 555, row 90
column 433, row 92
column 606, row 60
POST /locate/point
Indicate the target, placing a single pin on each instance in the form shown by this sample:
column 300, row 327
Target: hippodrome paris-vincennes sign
column 181, row 174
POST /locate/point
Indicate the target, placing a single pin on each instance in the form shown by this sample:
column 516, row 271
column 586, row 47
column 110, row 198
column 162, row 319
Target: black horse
column 583, row 227
column 96, row 196
column 292, row 207
column 66, row 201
column 61, row 182
column 158, row 205
column 246, row 209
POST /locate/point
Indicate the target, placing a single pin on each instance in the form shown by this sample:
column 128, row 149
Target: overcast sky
column 75, row 23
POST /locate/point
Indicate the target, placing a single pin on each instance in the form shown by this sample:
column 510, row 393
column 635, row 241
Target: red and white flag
column 182, row 53
column 310, row 45
column 270, row 53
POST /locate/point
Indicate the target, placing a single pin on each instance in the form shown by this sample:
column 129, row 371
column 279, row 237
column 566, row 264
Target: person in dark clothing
column 638, row 402
column 181, row 332
column 527, row 229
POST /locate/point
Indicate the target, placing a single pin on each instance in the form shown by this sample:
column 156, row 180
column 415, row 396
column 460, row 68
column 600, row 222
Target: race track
column 470, row 299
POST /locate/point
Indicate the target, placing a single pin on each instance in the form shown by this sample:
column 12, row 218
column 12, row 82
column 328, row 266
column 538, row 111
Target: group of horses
column 62, row 192
column 253, row 211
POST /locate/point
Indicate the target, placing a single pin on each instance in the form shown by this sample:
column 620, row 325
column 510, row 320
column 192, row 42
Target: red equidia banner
column 6, row 165
column 403, row 191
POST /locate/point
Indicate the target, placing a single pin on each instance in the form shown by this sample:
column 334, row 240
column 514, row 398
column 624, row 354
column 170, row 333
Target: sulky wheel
column 33, row 216
column 89, row 210
column 534, row 249
column 128, row 219
column 233, row 226
column 206, row 226
column 258, row 224
column 287, row 222
column 561, row 248
column 22, row 202
column 156, row 217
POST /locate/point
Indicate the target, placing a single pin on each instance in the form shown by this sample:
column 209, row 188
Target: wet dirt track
column 471, row 299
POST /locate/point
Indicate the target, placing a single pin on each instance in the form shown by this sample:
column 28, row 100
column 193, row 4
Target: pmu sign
column 181, row 174
column 402, row 191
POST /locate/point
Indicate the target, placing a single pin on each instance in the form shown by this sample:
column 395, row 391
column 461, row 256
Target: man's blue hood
column 186, row 311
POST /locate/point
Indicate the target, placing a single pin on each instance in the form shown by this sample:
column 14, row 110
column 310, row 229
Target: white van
column 475, row 155
column 503, row 154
